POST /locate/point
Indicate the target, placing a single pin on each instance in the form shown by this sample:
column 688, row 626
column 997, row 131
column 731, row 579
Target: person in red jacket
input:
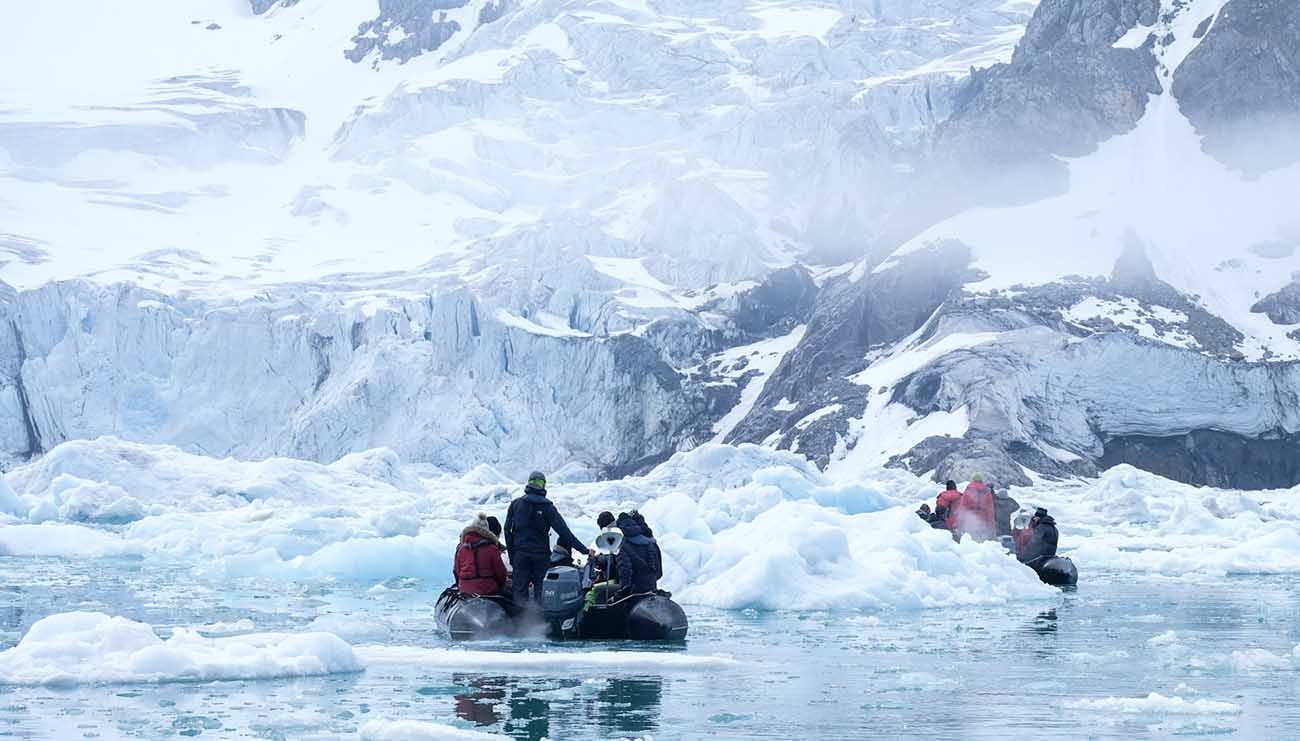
column 975, row 511
column 945, row 505
column 479, row 568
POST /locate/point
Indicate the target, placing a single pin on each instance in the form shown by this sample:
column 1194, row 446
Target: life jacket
column 975, row 511
column 945, row 506
column 479, row 568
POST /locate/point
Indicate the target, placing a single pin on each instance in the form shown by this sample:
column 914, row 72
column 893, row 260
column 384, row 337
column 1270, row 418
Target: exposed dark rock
column 493, row 11
column 1240, row 87
column 1281, row 306
column 1212, row 458
column 848, row 320
column 636, row 357
column 1065, row 90
column 961, row 459
column 422, row 24
column 1133, row 268
column 34, row 446
column 261, row 6
column 783, row 301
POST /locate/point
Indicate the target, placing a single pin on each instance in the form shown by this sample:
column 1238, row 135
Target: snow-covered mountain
column 1116, row 283
column 546, row 232
column 310, row 228
column 216, row 148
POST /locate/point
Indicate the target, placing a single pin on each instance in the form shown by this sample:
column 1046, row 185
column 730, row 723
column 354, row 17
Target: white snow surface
column 223, row 160
column 91, row 647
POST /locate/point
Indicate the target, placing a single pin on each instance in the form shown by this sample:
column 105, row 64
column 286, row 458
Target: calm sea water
column 1026, row 670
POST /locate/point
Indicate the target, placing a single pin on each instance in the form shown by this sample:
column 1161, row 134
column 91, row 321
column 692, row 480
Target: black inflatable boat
column 652, row 616
column 470, row 617
column 1058, row 571
column 637, row 617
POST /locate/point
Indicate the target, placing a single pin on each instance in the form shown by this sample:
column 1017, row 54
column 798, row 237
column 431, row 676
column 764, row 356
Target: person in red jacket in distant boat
column 975, row 511
column 479, row 568
column 945, row 506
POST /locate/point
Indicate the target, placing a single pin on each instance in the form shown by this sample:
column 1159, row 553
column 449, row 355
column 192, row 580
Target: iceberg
column 94, row 648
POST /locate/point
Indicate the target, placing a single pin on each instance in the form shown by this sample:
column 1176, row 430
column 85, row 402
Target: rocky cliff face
column 1064, row 373
column 1240, row 86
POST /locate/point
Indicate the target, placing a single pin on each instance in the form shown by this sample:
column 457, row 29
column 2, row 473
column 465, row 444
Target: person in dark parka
column 1004, row 508
column 639, row 562
column 529, row 523
column 1043, row 538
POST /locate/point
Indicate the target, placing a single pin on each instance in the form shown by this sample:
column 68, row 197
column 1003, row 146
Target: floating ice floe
column 63, row 541
column 92, row 648
column 418, row 730
column 1156, row 704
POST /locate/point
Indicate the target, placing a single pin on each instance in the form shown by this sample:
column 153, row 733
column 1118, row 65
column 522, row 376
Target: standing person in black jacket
column 529, row 523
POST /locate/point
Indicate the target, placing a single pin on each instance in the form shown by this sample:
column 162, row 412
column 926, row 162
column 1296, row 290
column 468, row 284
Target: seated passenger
column 924, row 512
column 639, row 562
column 1004, row 508
column 932, row 518
column 600, row 577
column 478, row 567
column 495, row 526
column 600, row 567
column 1041, row 541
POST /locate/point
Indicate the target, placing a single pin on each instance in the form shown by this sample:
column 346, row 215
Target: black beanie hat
column 604, row 520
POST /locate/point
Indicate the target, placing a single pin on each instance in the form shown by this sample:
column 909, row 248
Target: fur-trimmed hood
column 480, row 528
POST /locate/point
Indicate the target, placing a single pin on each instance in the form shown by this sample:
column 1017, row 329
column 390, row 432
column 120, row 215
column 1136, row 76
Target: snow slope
column 1199, row 221
column 207, row 148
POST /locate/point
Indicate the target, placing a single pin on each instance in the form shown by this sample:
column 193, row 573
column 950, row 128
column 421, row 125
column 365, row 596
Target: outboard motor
column 561, row 593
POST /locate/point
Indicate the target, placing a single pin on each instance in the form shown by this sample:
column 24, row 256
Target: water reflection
column 527, row 709
column 1045, row 623
column 630, row 706
column 478, row 705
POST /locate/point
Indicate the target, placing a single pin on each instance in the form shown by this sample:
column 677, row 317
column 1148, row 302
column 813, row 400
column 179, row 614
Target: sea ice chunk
column 91, row 647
